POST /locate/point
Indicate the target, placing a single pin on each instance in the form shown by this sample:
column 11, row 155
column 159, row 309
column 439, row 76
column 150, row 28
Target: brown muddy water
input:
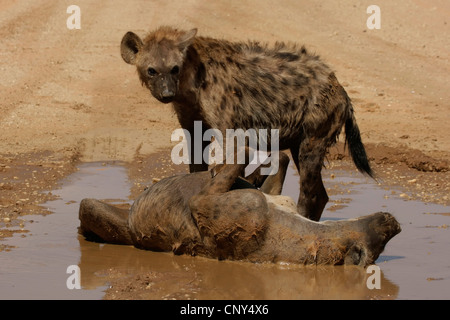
column 414, row 265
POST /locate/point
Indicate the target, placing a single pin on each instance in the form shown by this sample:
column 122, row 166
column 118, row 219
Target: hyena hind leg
column 102, row 222
column 312, row 197
column 273, row 184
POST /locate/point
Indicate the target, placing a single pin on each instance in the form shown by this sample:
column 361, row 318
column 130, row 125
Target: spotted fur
column 231, row 85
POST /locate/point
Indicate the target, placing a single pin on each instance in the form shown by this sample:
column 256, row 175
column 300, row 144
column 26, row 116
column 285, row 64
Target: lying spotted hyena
column 219, row 215
column 248, row 85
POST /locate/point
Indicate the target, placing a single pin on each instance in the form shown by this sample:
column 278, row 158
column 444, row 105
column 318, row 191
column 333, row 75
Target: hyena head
column 159, row 59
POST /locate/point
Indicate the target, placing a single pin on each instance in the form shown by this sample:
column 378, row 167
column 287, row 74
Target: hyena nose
column 167, row 93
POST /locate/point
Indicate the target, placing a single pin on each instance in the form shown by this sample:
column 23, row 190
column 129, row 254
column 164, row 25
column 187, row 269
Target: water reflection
column 212, row 279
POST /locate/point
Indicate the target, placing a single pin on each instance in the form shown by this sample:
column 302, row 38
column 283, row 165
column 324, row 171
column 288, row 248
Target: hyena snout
column 164, row 89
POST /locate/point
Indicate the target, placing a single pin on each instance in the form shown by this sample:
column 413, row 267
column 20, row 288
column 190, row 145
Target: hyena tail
column 355, row 145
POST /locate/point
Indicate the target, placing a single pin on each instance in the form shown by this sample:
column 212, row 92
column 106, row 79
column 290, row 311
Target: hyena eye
column 175, row 70
column 151, row 72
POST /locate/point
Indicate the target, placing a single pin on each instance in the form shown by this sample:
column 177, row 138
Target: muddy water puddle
column 416, row 261
column 415, row 264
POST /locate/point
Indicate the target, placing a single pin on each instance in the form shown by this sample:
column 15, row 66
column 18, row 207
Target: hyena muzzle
column 245, row 85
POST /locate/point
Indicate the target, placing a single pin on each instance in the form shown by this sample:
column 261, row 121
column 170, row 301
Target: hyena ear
column 185, row 40
column 130, row 46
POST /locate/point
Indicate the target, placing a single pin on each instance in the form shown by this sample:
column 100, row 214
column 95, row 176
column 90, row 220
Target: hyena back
column 231, row 85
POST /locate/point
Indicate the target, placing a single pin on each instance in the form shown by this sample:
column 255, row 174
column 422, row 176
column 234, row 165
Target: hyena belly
column 253, row 86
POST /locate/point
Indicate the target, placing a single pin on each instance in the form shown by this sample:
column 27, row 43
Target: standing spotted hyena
column 232, row 85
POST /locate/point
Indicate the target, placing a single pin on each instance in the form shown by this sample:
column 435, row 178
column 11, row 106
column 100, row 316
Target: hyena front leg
column 196, row 146
column 313, row 196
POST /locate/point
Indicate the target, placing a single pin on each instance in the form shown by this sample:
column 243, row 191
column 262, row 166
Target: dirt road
column 66, row 95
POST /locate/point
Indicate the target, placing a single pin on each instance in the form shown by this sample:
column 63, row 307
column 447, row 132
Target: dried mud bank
column 26, row 181
column 420, row 176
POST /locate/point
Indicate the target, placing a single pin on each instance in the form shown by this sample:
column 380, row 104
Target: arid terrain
column 66, row 96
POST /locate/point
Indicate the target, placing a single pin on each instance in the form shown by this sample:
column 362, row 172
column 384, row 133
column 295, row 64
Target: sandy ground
column 66, row 96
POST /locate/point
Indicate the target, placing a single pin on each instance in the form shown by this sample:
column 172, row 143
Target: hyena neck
column 191, row 78
column 204, row 64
